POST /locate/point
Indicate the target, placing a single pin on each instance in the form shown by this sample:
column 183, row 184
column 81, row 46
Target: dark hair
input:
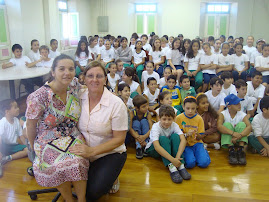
column 119, row 37
column 183, row 77
column 211, row 110
column 135, row 36
column 44, row 47
column 6, row 105
column 180, row 35
column 172, row 77
column 162, row 96
column 16, row 46
column 110, row 65
column 216, row 80
column 150, row 62
column 139, row 100
column 118, row 61
column 52, row 40
column 150, row 79
column 153, row 45
column 211, row 38
column 165, row 36
column 93, row 64
column 92, row 40
column 256, row 73
column 222, row 36
column 206, row 44
column 33, row 41
column 265, row 45
column 225, row 43
column 184, row 51
column 264, row 103
column 122, row 86
column 152, row 34
column 129, row 71
column 176, row 39
column 116, row 40
column 190, row 53
column 81, row 74
column 231, row 37
column 167, row 67
column 83, row 38
column 123, row 38
column 144, row 35
column 266, row 91
column 226, row 75
column 240, row 83
column 137, row 41
column 78, row 51
column 241, row 37
column 166, row 110
column 238, row 44
column 96, row 35
column 189, row 99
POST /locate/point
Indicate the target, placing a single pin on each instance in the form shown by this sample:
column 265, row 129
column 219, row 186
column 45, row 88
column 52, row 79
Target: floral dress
column 56, row 132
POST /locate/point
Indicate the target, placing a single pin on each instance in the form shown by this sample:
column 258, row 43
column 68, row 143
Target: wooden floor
column 149, row 180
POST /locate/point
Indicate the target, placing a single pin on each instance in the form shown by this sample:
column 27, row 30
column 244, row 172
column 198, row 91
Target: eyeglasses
column 98, row 76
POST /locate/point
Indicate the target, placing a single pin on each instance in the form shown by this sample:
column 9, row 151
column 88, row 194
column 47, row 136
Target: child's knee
column 190, row 163
column 163, row 139
column 204, row 162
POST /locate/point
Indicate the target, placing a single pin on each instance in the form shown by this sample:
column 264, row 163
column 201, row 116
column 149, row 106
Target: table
column 21, row 72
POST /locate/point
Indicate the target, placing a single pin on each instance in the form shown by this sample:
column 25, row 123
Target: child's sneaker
column 241, row 157
column 1, row 170
column 145, row 154
column 174, row 174
column 184, row 174
column 232, row 157
column 5, row 159
column 139, row 153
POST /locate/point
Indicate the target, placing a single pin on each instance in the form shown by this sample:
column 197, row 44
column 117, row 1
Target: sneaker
column 233, row 157
column 145, row 154
column 1, row 170
column 139, row 153
column 175, row 177
column 5, row 159
column 184, row 174
column 241, row 157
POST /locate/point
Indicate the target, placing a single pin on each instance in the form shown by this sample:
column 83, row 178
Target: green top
column 185, row 93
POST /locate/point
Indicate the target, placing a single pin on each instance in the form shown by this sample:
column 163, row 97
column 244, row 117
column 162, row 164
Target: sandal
column 115, row 187
column 30, row 171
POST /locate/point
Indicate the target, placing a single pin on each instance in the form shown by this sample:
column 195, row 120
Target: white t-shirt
column 208, row 59
column 238, row 117
column 147, row 47
column 246, row 104
column 201, row 51
column 217, row 101
column 175, row 55
column 156, row 55
column 239, row 61
column 134, row 85
column 83, row 59
column 253, row 56
column 152, row 98
column 34, row 56
column 132, row 47
column 20, row 61
column 165, row 50
column 108, row 55
column 213, row 51
column 95, row 50
column 53, row 54
column 162, row 82
column 260, row 126
column 262, row 62
column 225, row 60
column 145, row 77
column 157, row 111
column 249, row 50
column 138, row 57
column 157, row 130
column 255, row 94
column 113, row 81
column 101, row 48
column 230, row 90
column 44, row 63
column 9, row 133
column 193, row 62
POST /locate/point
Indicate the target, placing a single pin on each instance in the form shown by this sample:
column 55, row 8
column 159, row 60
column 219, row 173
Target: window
column 218, row 8
column 5, row 51
column 62, row 5
column 145, row 8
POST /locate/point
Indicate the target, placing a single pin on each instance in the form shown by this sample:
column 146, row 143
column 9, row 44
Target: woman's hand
column 82, row 150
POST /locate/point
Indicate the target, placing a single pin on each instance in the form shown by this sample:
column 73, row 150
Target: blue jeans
column 265, row 79
column 141, row 127
column 196, row 154
column 159, row 71
column 242, row 76
column 208, row 77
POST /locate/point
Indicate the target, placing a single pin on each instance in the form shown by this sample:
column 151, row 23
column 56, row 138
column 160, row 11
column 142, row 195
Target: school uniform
column 108, row 55
column 176, row 96
column 249, row 50
column 217, row 101
column 239, row 64
column 152, row 97
column 254, row 94
column 134, row 85
column 145, row 77
column 113, row 81
column 138, row 58
column 246, row 104
column 262, row 61
column 34, row 56
column 53, row 54
column 224, row 60
column 175, row 56
column 230, row 90
column 157, row 57
column 209, row 73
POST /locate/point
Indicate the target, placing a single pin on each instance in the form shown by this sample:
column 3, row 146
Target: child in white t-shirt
column 164, row 47
column 46, row 60
column 113, row 77
column 157, row 56
column 146, row 45
column 168, row 142
column 163, row 81
column 249, row 48
column 152, row 94
column 10, row 134
column 260, row 125
column 240, row 63
column 53, row 53
column 257, row 52
column 108, row 54
column 216, row 49
column 228, row 87
column 34, row 52
column 149, row 73
column 83, row 56
column 94, row 49
column 215, row 96
column 138, row 59
column 225, row 61
column 262, row 64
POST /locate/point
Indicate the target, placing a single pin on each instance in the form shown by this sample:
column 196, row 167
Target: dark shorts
column 177, row 67
column 9, row 149
column 265, row 79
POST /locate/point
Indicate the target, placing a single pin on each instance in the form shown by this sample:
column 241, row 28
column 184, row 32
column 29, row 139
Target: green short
column 9, row 149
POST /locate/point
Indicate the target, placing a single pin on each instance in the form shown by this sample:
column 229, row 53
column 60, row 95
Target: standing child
column 228, row 87
column 131, row 79
column 157, row 56
column 11, row 135
column 138, row 59
column 93, row 48
column 108, row 54
column 192, row 126
column 225, row 61
column 260, row 124
column 234, row 126
column 34, row 52
column 163, row 81
column 149, row 73
column 168, row 142
column 140, row 124
column 208, row 64
column 83, row 56
column 113, row 77
column 152, row 94
column 262, row 64
column 249, row 48
column 240, row 63
column 211, row 138
column 215, row 96
column 186, row 89
column 53, row 53
column 192, row 63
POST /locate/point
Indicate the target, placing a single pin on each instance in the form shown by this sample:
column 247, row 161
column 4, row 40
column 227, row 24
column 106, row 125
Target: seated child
column 10, row 134
column 82, row 56
column 241, row 63
column 255, row 89
column 186, row 89
column 260, row 124
column 225, row 61
column 149, row 73
column 262, row 64
column 119, row 64
column 211, row 137
column 112, row 77
column 192, row 125
column 140, row 124
column 168, row 142
column 215, row 96
column 228, row 87
column 53, row 53
column 174, row 90
column 152, row 94
column 108, row 54
column 234, row 126
column 266, row 93
column 246, row 103
column 166, row 72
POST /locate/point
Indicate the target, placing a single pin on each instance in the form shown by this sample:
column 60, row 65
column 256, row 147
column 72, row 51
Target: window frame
column 63, row 1
column 146, row 4
column 218, row 4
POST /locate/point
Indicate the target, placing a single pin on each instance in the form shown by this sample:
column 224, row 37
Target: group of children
column 165, row 86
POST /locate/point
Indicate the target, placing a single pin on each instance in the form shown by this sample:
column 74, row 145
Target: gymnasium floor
column 149, row 180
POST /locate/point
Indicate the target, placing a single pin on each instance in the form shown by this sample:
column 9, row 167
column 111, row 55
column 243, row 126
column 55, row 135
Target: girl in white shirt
column 53, row 53
column 93, row 49
column 157, row 56
column 262, row 64
column 240, row 63
column 131, row 79
column 113, row 77
column 132, row 43
column 138, row 59
column 101, row 44
column 163, row 81
column 225, row 61
column 34, row 53
column 83, row 56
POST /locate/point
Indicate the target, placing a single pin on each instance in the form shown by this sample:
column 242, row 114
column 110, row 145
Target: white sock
column 205, row 145
column 172, row 168
column 217, row 146
column 181, row 167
